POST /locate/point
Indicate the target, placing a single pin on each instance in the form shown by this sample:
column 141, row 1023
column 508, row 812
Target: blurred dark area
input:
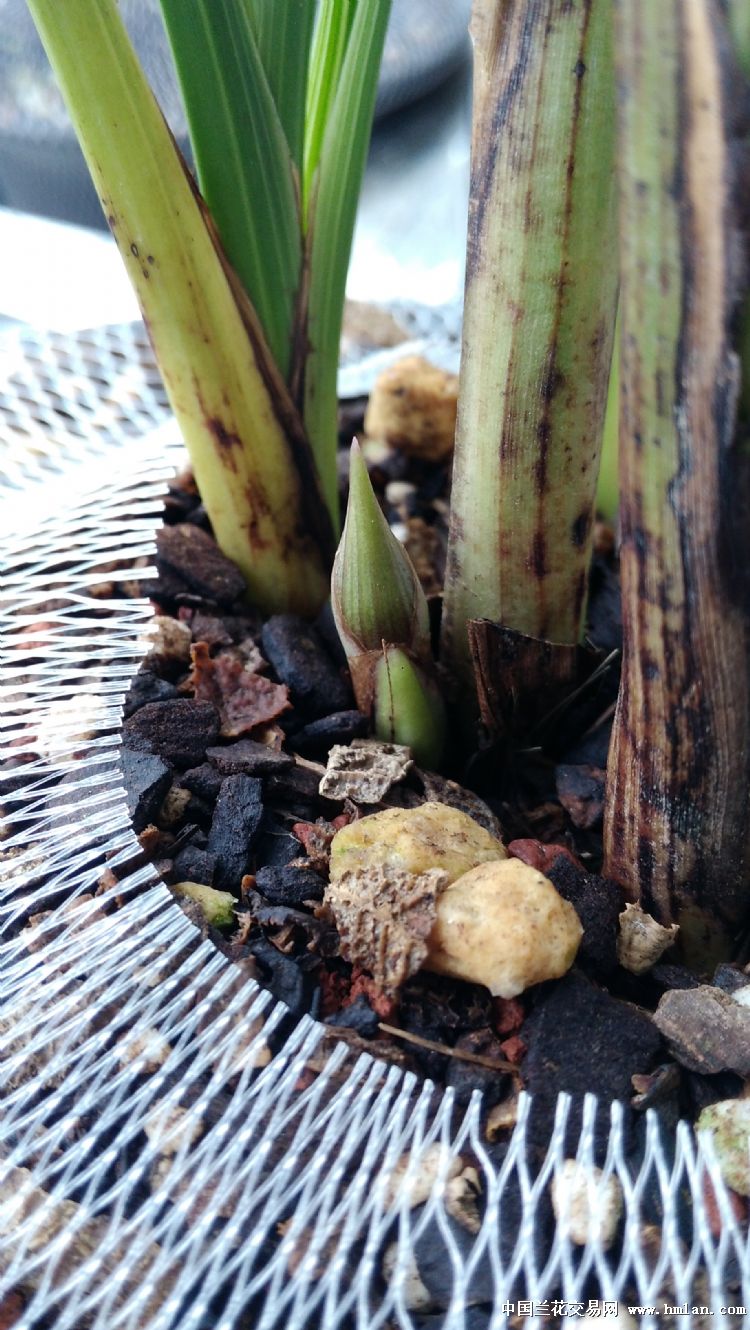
column 41, row 167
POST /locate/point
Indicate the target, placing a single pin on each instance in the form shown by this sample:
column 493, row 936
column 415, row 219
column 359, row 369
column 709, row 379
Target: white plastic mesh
column 173, row 1153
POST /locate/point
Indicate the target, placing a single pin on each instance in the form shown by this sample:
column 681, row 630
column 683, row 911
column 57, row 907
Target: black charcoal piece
column 248, row 758
column 598, row 903
column 604, row 609
column 283, row 976
column 473, row 1318
column 199, row 517
column 236, row 820
column 619, row 1041
column 195, row 865
column 180, row 731
column 275, row 845
column 317, row 738
column 580, row 789
column 298, row 655
column 581, row 1040
column 325, row 627
column 166, row 587
column 466, row 1077
column 289, row 886
column 146, row 779
column 667, row 975
column 193, row 555
column 146, row 687
column 203, row 781
column 434, row 1262
column 358, row 1016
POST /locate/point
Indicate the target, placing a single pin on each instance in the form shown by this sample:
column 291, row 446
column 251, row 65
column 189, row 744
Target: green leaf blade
column 242, row 157
column 254, row 472
column 332, row 31
column 333, row 210
column 283, row 32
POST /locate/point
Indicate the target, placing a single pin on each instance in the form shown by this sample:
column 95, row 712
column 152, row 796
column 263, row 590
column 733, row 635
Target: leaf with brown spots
column 677, row 834
column 242, row 697
column 539, row 314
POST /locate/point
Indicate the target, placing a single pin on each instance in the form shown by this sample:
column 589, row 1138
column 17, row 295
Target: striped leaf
column 538, row 321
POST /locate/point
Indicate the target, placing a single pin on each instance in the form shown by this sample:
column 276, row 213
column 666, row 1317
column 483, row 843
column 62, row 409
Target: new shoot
column 382, row 618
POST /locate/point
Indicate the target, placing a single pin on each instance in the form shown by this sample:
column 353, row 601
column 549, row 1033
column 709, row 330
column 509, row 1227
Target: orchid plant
column 577, row 104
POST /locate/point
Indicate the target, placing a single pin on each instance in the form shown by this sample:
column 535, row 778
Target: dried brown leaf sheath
column 677, row 821
column 518, row 678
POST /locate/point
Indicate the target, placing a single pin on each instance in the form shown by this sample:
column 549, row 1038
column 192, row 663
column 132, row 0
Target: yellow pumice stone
column 413, row 407
column 414, row 840
column 505, row 926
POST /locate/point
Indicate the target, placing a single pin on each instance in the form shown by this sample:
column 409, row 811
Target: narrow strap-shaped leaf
column 538, row 321
column 677, row 832
column 332, row 29
column 283, row 31
column 738, row 17
column 333, row 209
column 608, row 486
column 243, row 160
column 252, row 464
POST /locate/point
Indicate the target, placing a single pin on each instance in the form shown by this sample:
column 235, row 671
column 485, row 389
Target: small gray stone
column 707, row 1030
column 730, row 978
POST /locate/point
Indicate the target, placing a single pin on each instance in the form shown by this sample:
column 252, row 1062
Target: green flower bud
column 375, row 593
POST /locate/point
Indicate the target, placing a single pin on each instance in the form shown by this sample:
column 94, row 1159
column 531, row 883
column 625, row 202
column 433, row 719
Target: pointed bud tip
column 375, row 592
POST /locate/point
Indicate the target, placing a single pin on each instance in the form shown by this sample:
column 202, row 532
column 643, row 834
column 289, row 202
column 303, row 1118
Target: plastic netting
column 174, row 1151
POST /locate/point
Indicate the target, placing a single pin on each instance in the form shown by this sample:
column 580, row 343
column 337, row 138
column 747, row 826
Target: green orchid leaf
column 283, row 32
column 334, row 194
column 242, row 155
column 539, row 316
column 249, row 455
